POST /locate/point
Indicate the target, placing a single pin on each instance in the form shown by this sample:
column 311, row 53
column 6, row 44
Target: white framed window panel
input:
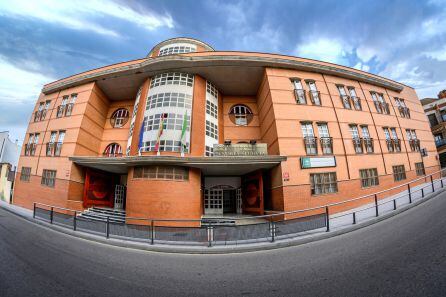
column 177, row 48
column 150, row 136
column 132, row 121
column 211, row 116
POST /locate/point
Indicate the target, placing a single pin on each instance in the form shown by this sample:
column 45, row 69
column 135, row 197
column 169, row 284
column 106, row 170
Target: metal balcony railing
column 368, row 145
column 414, row 145
column 356, row 102
column 346, row 101
column 440, row 142
column 310, row 145
column 30, row 149
column 300, row 96
column 393, row 145
column 64, row 110
column 326, row 145
column 357, row 144
column 315, row 97
column 53, row 149
column 404, row 112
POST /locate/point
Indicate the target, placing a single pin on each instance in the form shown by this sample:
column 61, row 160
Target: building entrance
column 221, row 200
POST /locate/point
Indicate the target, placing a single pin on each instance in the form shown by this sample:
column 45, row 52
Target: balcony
column 30, row 149
column 64, row 110
column 404, row 112
column 369, row 145
column 414, row 145
column 53, row 149
column 310, row 143
column 356, row 102
column 300, row 96
column 327, row 145
column 440, row 142
column 382, row 107
column 346, row 101
column 357, row 144
column 315, row 97
column 393, row 145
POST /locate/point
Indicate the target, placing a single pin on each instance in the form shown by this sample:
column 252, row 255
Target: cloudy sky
column 41, row 41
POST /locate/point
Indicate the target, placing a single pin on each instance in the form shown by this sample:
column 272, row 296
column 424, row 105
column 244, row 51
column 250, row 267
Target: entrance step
column 102, row 213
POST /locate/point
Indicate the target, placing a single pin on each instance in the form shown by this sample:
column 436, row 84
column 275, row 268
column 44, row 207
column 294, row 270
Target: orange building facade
column 189, row 132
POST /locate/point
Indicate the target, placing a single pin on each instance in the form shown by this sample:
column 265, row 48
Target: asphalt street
column 401, row 256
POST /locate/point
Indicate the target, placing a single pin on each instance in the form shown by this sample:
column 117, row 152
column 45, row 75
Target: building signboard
column 240, row 149
column 317, row 162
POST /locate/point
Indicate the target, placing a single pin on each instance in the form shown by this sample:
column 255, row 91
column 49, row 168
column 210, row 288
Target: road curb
column 251, row 247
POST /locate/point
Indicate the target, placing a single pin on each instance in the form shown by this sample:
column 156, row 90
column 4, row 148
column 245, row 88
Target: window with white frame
column 314, row 93
column 172, row 78
column 299, row 92
column 323, row 183
column 113, row 150
column 170, row 99
column 344, row 97
column 325, row 139
column 177, row 49
column 369, row 177
column 119, row 117
column 241, row 115
column 354, row 98
column 161, row 172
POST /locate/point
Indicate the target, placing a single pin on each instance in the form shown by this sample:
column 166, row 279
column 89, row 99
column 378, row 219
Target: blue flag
column 141, row 135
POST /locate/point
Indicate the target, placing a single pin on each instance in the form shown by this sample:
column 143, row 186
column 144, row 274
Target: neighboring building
column 435, row 109
column 9, row 156
column 241, row 132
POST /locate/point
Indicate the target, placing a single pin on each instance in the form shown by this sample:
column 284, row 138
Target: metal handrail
column 284, row 212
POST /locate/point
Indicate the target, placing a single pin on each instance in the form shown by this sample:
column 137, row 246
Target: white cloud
column 365, row 53
column 76, row 14
column 19, row 85
column 362, row 66
column 324, row 49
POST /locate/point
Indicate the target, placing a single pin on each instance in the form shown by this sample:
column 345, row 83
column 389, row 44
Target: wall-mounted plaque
column 317, row 162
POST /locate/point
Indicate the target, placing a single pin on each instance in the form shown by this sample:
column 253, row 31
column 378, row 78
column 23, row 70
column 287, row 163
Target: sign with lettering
column 286, row 176
column 240, row 149
column 317, row 162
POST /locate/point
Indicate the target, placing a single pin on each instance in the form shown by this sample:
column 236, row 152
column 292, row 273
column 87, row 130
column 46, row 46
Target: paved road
column 402, row 256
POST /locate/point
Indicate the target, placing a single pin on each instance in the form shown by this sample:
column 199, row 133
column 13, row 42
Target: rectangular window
column 161, row 172
column 299, row 92
column 355, row 98
column 314, row 93
column 344, row 97
column 309, row 139
column 25, row 174
column 323, row 183
column 357, row 141
column 399, row 172
column 419, row 167
column 369, row 177
column 48, row 178
column 325, row 139
column 367, row 140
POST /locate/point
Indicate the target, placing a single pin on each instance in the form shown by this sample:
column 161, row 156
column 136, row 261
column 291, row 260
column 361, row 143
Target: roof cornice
column 169, row 62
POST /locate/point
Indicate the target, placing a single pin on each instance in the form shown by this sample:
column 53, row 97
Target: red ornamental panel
column 99, row 189
column 252, row 194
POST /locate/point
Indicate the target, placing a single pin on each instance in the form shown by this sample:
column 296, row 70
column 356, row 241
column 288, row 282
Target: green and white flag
column 183, row 134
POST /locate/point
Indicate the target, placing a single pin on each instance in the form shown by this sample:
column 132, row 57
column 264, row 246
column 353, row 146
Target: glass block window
column 25, row 174
column 211, row 109
column 169, row 100
column 209, row 151
column 172, row 78
column 176, row 50
column 211, row 130
column 369, row 177
column 211, row 89
column 48, row 178
column 399, row 172
column 323, row 183
column 161, row 172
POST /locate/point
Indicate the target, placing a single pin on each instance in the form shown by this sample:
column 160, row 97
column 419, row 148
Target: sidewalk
column 340, row 223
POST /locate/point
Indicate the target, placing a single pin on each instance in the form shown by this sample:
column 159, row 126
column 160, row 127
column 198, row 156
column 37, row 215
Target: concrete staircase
column 102, row 213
